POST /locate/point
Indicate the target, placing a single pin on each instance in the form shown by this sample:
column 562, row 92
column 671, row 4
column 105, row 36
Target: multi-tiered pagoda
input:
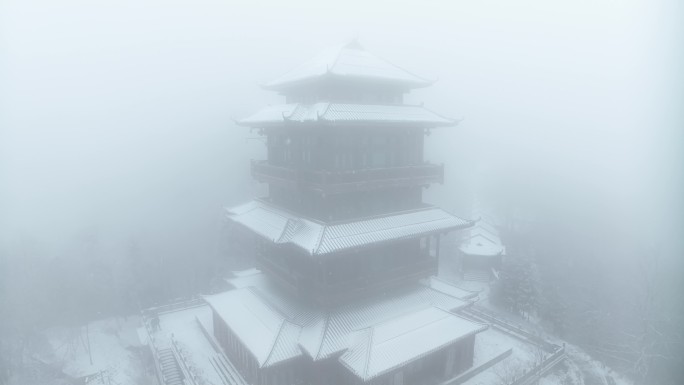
column 346, row 251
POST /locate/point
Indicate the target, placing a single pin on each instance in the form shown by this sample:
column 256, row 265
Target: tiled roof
column 445, row 287
column 276, row 327
column 396, row 342
column 350, row 61
column 331, row 113
column 480, row 245
column 317, row 238
column 482, row 240
column 261, row 329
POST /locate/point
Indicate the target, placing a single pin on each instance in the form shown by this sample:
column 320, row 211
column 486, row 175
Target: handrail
column 540, row 369
column 180, row 304
column 153, row 348
column 472, row 372
column 316, row 177
column 557, row 352
column 185, row 367
column 532, row 337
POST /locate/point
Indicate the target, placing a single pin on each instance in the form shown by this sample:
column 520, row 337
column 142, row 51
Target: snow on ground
column 581, row 369
column 578, row 368
column 112, row 343
column 491, row 343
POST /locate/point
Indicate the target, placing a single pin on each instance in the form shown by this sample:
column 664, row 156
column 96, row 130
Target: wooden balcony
column 342, row 181
column 353, row 287
column 421, row 268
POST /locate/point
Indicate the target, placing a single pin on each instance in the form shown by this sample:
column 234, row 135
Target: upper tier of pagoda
column 350, row 63
column 346, row 85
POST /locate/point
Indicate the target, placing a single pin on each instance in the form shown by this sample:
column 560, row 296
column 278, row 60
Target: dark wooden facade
column 346, row 172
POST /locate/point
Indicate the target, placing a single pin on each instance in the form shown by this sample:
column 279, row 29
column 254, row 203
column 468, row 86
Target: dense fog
column 118, row 136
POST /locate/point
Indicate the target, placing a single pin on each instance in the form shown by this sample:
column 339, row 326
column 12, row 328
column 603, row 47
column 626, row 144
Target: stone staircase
column 170, row 370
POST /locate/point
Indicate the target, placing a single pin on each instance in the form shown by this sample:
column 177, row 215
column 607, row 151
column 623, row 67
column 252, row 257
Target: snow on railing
column 557, row 352
column 540, row 369
column 186, row 367
column 547, row 346
column 181, row 303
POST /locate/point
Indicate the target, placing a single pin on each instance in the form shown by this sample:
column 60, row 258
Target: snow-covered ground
column 112, row 344
column 579, row 368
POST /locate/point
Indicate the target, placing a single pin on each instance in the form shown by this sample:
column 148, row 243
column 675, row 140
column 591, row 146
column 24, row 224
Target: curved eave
column 388, row 241
column 320, row 238
column 289, row 85
column 337, row 123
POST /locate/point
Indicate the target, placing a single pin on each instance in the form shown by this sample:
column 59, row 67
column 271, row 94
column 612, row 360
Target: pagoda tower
column 346, row 251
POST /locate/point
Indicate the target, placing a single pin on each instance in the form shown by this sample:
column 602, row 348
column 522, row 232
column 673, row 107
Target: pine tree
column 516, row 289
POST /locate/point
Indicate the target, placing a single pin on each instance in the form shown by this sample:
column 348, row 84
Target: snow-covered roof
column 317, row 238
column 262, row 330
column 396, row 342
column 275, row 327
column 482, row 239
column 480, row 245
column 331, row 113
column 445, row 287
column 349, row 61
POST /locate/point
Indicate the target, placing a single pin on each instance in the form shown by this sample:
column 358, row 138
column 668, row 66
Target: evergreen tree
column 517, row 288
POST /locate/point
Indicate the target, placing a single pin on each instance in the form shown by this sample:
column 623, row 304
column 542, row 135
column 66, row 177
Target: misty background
column 117, row 136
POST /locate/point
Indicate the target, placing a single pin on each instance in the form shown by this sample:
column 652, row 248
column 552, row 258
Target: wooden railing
column 472, row 372
column 509, row 327
column 153, row 348
column 354, row 286
column 557, row 353
column 541, row 369
column 329, row 181
column 186, row 366
column 421, row 267
column 178, row 304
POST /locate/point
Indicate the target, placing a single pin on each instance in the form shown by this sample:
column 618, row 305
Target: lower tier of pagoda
column 274, row 338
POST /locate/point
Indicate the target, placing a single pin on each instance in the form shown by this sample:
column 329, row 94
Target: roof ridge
column 403, row 333
column 275, row 340
column 319, row 240
column 368, row 348
column 289, row 224
column 326, row 110
column 337, row 58
column 429, row 81
column 323, row 332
